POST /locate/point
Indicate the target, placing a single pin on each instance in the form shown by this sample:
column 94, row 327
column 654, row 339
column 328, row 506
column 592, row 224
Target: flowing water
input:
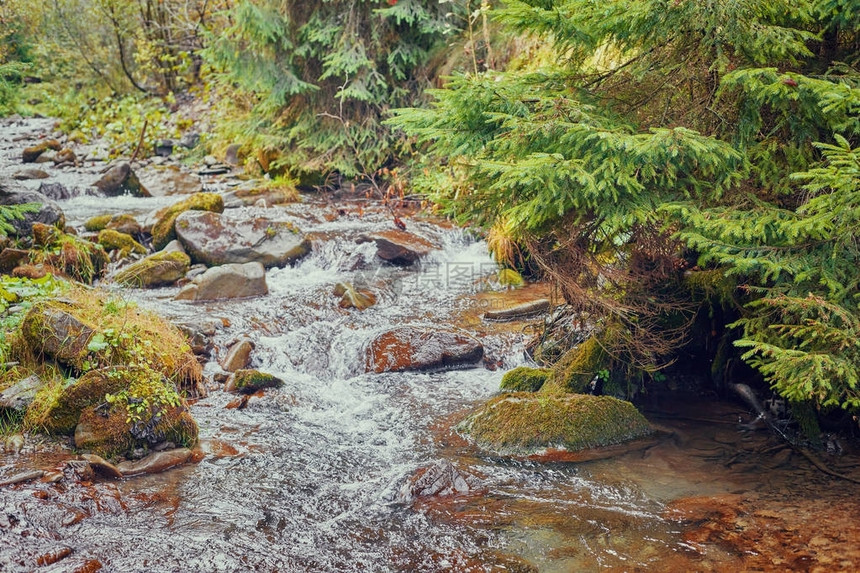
column 310, row 477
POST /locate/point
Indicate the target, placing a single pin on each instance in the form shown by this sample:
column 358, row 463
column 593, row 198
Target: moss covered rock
column 97, row 223
column 163, row 230
column 68, row 255
column 577, row 367
column 145, row 412
column 54, row 330
column 525, row 423
column 162, row 268
column 86, row 330
column 112, row 240
column 249, row 381
column 61, row 415
column 32, row 153
column 525, row 379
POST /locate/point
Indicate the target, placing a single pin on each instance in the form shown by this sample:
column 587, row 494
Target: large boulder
column 86, row 330
column 164, row 230
column 47, row 211
column 121, row 180
column 400, row 247
column 214, row 239
column 527, row 423
column 416, row 348
column 160, row 269
column 227, row 281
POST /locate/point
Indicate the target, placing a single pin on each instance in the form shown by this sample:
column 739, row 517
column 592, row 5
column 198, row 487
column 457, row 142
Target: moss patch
column 577, row 367
column 62, row 411
column 163, row 230
column 112, row 240
column 524, row 423
column 249, row 381
column 525, row 379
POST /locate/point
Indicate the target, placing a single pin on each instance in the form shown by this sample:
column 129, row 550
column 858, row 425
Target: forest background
column 686, row 171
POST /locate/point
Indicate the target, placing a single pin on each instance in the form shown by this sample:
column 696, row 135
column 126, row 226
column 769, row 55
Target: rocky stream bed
column 352, row 459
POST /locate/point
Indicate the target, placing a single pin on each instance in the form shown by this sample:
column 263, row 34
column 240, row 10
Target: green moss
column 525, row 379
column 578, row 367
column 112, row 240
column 163, row 230
column 97, row 223
column 63, row 409
column 155, row 270
column 523, row 423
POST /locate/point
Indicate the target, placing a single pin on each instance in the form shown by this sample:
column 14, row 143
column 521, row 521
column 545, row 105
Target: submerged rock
column 170, row 180
column 400, row 247
column 159, row 269
column 121, row 180
column 227, row 281
column 156, row 462
column 525, row 423
column 416, row 348
column 350, row 297
column 164, row 230
column 27, row 174
column 214, row 239
column 437, row 480
column 249, row 381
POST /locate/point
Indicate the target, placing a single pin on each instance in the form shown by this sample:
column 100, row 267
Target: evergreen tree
column 723, row 128
column 319, row 77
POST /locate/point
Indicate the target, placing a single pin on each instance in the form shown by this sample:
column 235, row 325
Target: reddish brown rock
column 415, row 348
column 399, row 247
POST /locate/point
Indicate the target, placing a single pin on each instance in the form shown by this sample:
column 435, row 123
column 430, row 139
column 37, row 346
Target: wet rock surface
column 216, row 239
column 227, row 282
column 419, row 348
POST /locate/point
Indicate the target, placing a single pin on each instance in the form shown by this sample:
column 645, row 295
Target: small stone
column 121, row 180
column 239, row 356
